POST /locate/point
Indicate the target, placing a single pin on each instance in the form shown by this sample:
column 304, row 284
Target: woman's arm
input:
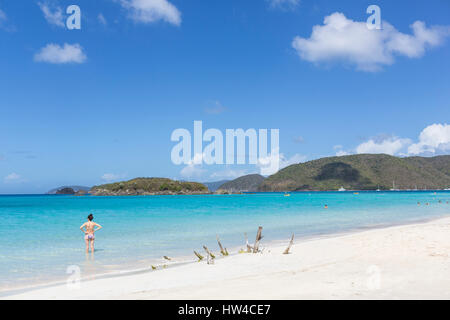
column 98, row 227
column 82, row 227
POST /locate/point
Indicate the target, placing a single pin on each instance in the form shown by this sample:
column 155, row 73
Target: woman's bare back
column 90, row 227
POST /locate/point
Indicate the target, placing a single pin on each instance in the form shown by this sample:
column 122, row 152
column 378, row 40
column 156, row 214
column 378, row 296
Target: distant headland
column 362, row 172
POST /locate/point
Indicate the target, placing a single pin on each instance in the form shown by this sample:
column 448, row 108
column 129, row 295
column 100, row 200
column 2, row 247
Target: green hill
column 248, row 183
column 362, row 172
column 149, row 186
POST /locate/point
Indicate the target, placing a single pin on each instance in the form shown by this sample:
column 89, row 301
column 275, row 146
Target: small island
column 149, row 186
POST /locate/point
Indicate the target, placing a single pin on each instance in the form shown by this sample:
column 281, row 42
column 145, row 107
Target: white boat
column 342, row 189
column 393, row 187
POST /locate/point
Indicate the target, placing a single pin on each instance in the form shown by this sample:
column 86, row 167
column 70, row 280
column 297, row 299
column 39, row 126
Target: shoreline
column 178, row 267
column 230, row 194
column 180, row 260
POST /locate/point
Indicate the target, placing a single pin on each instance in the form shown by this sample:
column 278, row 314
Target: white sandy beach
column 402, row 262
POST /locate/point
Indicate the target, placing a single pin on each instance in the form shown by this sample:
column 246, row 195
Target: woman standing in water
column 89, row 229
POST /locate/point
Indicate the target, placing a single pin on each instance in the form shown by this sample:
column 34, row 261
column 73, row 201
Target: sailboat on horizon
column 393, row 186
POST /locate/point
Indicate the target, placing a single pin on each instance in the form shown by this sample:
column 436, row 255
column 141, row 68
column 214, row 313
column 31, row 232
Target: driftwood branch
column 167, row 258
column 290, row 245
column 223, row 251
column 210, row 256
column 199, row 256
column 249, row 247
column 258, row 239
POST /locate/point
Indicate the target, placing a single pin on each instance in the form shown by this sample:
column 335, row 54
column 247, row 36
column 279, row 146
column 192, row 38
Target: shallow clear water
column 40, row 236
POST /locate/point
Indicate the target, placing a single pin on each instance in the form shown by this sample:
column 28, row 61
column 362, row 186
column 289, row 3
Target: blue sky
column 99, row 104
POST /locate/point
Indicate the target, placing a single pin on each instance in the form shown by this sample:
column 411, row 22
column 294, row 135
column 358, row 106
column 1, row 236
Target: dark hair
column 90, row 217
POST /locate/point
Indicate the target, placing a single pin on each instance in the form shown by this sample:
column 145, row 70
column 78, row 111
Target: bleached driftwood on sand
column 199, row 256
column 258, row 239
column 223, row 251
column 249, row 247
column 290, row 245
column 209, row 255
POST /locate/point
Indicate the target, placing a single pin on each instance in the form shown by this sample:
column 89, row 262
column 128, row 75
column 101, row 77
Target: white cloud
column 192, row 171
column 290, row 4
column 2, row 16
column 54, row 53
column 391, row 146
column 339, row 150
column 432, row 139
column 149, row 11
column 268, row 165
column 101, row 18
column 4, row 22
column 194, row 167
column 345, row 40
column 341, row 153
column 215, row 107
column 12, row 177
column 108, row 177
column 53, row 15
column 295, row 159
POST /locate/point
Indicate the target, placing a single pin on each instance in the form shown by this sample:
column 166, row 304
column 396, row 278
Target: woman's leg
column 92, row 245
column 87, row 245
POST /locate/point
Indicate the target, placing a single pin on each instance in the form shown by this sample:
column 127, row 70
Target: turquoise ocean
column 40, row 236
